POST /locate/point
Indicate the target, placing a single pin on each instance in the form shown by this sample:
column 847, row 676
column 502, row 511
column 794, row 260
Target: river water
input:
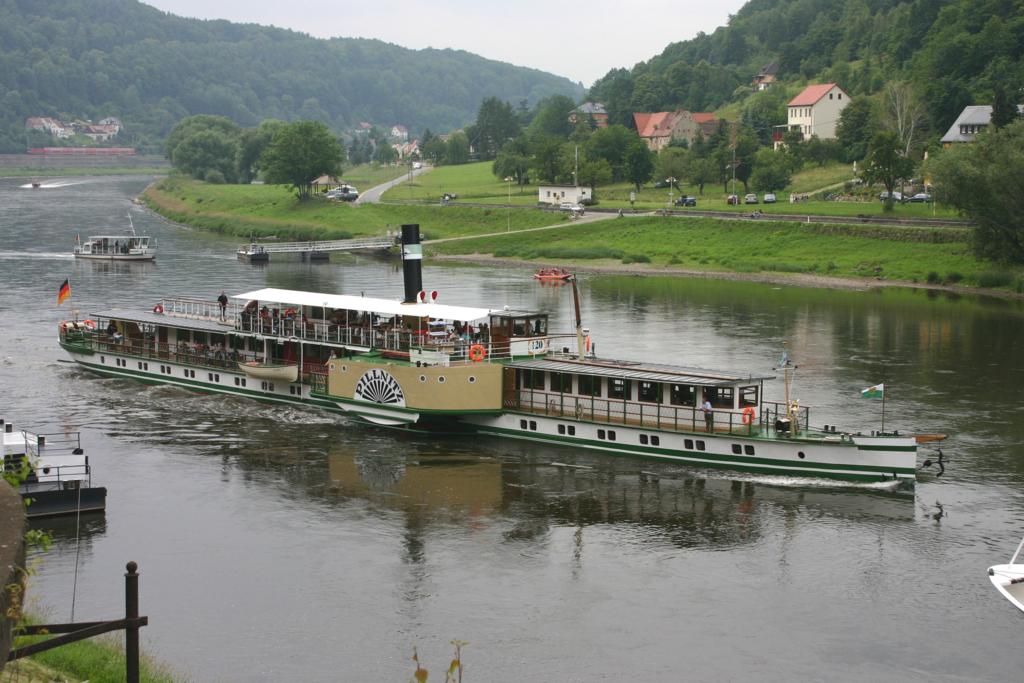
column 288, row 544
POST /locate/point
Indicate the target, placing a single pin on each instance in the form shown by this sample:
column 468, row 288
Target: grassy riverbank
column 641, row 244
column 61, row 172
column 97, row 660
column 654, row 244
column 265, row 210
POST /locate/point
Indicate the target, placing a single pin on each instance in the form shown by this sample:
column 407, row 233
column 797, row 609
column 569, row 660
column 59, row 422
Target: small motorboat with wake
column 1009, row 579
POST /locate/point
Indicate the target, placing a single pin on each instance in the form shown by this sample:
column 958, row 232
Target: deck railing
column 637, row 413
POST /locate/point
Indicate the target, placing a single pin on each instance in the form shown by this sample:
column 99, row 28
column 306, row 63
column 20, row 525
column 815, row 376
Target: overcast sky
column 579, row 40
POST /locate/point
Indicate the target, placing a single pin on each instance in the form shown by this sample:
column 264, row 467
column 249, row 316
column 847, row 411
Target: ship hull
column 879, row 460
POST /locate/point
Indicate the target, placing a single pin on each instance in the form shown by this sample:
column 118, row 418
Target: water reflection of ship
column 66, row 532
column 533, row 496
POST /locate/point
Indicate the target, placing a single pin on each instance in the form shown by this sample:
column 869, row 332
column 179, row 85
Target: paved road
column 372, row 196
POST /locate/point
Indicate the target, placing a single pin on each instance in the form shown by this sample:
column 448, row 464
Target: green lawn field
column 265, row 210
column 913, row 254
column 476, row 183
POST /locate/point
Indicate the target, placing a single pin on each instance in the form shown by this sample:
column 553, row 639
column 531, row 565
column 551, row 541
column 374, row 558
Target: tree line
column 217, row 150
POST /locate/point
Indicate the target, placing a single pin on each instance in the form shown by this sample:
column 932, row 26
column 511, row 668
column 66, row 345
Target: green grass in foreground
column 924, row 255
column 97, row 660
column 266, row 210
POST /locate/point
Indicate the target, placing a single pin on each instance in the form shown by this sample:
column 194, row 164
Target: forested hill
column 953, row 52
column 96, row 58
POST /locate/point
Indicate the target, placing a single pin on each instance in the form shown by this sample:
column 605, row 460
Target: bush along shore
column 862, row 254
column 96, row 660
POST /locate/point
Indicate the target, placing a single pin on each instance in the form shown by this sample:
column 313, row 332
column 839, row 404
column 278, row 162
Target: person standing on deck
column 709, row 416
column 223, row 301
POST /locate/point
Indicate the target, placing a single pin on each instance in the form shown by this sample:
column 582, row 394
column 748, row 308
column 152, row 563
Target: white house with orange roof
column 815, row 111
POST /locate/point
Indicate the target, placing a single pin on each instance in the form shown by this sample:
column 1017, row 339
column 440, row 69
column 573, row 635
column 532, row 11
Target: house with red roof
column 815, row 111
column 658, row 129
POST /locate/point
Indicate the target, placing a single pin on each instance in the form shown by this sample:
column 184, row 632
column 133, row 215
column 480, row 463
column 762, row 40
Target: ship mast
column 579, row 323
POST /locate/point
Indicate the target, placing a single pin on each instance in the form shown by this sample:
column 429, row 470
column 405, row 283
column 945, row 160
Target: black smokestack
column 412, row 262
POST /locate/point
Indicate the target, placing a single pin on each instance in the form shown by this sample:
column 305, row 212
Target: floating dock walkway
column 256, row 252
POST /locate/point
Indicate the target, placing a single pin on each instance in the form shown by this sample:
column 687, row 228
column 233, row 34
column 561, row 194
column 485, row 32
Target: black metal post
column 131, row 614
column 412, row 262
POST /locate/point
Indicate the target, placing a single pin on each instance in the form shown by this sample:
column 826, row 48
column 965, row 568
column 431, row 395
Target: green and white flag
column 877, row 391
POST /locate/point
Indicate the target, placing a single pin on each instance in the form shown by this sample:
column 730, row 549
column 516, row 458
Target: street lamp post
column 671, row 183
column 508, row 207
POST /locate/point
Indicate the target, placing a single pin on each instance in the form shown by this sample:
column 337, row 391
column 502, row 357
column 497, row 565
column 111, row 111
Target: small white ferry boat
column 423, row 365
column 1009, row 579
column 53, row 470
column 123, row 247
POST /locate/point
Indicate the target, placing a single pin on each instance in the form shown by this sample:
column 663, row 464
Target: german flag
column 64, row 292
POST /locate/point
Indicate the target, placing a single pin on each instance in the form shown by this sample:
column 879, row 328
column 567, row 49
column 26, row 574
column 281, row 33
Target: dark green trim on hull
column 196, row 385
column 763, row 465
column 71, row 347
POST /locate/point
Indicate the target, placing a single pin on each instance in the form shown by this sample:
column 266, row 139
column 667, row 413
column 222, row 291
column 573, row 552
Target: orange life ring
column 748, row 415
column 89, row 324
column 159, row 308
column 477, row 353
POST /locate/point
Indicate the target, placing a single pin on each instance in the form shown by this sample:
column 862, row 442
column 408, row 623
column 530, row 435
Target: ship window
column 643, row 439
column 600, row 434
column 561, row 429
column 440, row 379
column 140, row 365
column 588, row 386
column 619, row 388
column 103, row 359
column 649, row 392
column 611, row 435
column 688, row 444
column 655, row 440
column 737, row 449
column 700, row 445
column 522, row 424
column 472, row 379
column 237, row 382
column 423, row 378
column 682, row 395
column 561, row 382
column 530, row 379
column 720, row 397
column 572, row 430
column 748, row 396
column 145, row 366
column 533, row 426
column 801, row 455
column 749, row 450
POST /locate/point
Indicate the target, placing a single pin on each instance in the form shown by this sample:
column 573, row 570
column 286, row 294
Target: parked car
column 769, row 198
column 686, row 201
column 416, row 165
column 750, row 199
column 571, row 207
column 921, row 197
column 733, row 200
column 896, row 196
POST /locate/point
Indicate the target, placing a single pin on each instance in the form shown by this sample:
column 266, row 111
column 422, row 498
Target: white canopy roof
column 364, row 303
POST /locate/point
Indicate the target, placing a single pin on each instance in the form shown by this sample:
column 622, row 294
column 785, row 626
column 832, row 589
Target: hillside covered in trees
column 96, row 58
column 952, row 52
